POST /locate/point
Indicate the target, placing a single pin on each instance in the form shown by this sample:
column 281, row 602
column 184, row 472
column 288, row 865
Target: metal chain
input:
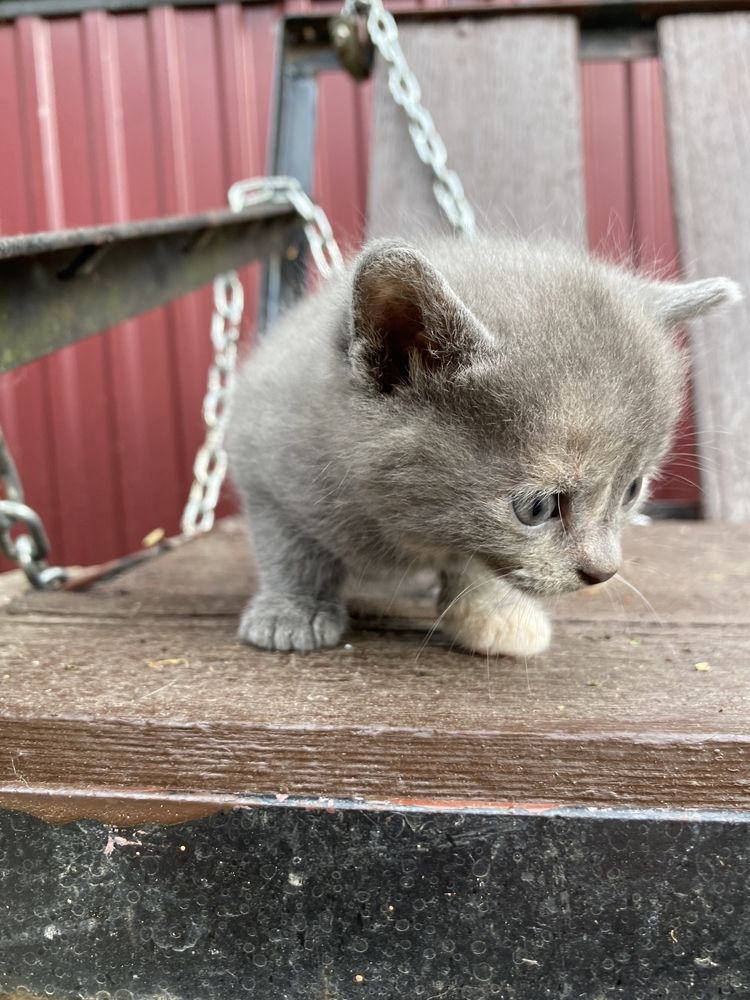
column 30, row 548
column 288, row 191
column 210, row 465
column 406, row 92
column 211, row 461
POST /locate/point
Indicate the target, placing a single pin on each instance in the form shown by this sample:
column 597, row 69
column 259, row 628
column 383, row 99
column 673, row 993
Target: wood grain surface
column 505, row 96
column 707, row 85
column 139, row 686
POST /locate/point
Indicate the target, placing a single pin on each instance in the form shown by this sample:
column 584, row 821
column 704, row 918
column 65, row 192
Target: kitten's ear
column 405, row 319
column 676, row 302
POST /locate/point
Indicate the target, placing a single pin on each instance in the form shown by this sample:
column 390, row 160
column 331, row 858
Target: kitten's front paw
column 273, row 621
column 519, row 629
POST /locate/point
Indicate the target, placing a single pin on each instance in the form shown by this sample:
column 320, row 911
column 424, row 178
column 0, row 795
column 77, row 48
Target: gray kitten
column 490, row 410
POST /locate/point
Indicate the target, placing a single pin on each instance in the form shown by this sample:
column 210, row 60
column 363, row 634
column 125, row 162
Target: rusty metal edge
column 12, row 9
column 65, row 286
column 50, row 241
column 12, row 797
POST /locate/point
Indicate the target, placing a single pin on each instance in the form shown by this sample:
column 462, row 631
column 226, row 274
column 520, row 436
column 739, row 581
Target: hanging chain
column 29, row 548
column 288, row 191
column 210, row 465
column 406, row 92
column 211, row 461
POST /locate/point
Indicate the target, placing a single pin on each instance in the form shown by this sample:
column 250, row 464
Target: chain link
column 406, row 92
column 29, row 548
column 210, row 466
column 288, row 191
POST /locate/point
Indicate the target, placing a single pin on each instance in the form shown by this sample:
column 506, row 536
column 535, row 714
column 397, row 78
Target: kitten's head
column 517, row 400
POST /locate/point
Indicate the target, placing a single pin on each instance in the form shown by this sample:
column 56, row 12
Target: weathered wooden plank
column 706, row 62
column 504, row 95
column 606, row 718
column 194, row 670
column 140, row 684
column 118, row 807
column 659, row 768
column 686, row 571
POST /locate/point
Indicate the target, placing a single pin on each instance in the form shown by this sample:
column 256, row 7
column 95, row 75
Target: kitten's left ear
column 406, row 321
column 676, row 302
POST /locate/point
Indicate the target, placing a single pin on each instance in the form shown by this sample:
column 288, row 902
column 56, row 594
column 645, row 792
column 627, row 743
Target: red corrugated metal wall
column 109, row 117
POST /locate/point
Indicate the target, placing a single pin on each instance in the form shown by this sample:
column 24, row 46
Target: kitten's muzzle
column 598, row 556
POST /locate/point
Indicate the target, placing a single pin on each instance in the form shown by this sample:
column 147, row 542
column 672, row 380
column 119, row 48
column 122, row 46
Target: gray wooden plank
column 605, row 718
column 105, row 691
column 593, row 679
column 504, row 94
column 686, row 573
column 706, row 61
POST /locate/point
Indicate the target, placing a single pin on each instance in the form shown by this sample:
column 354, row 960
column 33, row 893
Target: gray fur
column 676, row 303
column 390, row 420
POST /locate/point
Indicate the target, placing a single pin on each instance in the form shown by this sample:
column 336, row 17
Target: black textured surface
column 287, row 902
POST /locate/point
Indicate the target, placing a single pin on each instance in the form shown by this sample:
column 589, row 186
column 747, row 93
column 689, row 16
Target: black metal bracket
column 302, row 53
column 57, row 288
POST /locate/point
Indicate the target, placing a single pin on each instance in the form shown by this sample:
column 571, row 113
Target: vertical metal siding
column 125, row 150
column 111, row 117
column 629, row 202
column 656, row 239
column 26, row 398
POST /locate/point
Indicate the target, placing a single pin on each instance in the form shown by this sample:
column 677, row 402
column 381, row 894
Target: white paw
column 273, row 621
column 517, row 629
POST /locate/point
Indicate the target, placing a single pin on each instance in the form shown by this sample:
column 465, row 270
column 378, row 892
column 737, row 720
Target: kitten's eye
column 537, row 510
column 632, row 492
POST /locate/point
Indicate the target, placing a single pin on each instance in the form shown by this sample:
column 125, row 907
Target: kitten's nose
column 592, row 575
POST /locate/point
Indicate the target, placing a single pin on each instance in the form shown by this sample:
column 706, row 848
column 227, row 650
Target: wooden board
column 140, row 685
column 706, row 63
column 505, row 97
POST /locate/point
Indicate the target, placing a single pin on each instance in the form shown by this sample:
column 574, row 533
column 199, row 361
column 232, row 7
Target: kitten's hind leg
column 486, row 615
column 297, row 606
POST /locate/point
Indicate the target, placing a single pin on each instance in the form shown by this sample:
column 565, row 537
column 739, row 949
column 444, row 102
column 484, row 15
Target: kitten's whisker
column 322, row 472
column 714, row 430
column 652, row 609
column 611, row 598
column 401, row 580
column 681, row 479
column 693, row 454
column 467, row 589
column 473, row 585
column 685, row 461
column 637, row 592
